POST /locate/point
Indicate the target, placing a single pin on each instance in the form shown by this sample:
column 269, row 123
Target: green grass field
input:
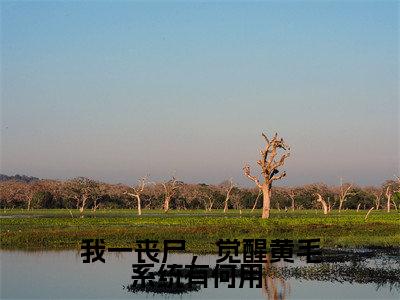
column 58, row 229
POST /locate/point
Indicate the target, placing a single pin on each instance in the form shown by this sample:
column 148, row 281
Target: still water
column 62, row 275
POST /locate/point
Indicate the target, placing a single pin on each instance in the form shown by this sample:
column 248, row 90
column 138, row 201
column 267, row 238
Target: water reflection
column 274, row 287
column 362, row 274
column 376, row 266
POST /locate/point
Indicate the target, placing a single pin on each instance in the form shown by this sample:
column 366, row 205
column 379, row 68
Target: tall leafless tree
column 388, row 194
column 228, row 189
column 292, row 195
column 82, row 190
column 324, row 205
column 344, row 191
column 170, row 188
column 392, row 190
column 138, row 191
column 269, row 169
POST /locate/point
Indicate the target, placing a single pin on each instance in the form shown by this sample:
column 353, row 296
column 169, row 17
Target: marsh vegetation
column 57, row 229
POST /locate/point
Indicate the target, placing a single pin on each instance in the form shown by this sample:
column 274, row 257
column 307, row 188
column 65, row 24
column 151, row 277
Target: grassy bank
column 58, row 229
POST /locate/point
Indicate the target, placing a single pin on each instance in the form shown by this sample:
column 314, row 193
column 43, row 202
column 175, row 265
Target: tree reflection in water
column 377, row 266
column 274, row 287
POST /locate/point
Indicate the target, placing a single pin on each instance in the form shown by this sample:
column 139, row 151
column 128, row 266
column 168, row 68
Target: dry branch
column 369, row 211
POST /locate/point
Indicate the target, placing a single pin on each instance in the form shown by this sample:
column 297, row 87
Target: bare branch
column 281, row 162
column 366, row 216
column 265, row 137
column 276, row 177
column 246, row 172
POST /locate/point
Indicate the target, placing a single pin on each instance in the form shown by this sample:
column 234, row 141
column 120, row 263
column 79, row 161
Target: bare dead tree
column 170, row 188
column 101, row 190
column 324, row 205
column 343, row 193
column 269, row 169
column 392, row 192
column 292, row 195
column 388, row 194
column 82, row 190
column 228, row 194
column 237, row 202
column 204, row 195
column 138, row 191
column 208, row 202
column 378, row 195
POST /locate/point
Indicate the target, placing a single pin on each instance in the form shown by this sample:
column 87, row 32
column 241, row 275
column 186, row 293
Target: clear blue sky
column 117, row 90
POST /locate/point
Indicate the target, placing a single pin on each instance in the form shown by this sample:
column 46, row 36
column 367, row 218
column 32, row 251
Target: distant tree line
column 22, row 178
column 83, row 193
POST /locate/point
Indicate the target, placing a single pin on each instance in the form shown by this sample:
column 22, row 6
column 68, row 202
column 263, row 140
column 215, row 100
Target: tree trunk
column 358, row 206
column 139, row 206
column 340, row 205
column 324, row 205
column 205, row 206
column 166, row 204
column 226, row 205
column 83, row 203
column 95, row 205
column 388, row 196
column 378, row 203
column 211, row 205
column 266, row 202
